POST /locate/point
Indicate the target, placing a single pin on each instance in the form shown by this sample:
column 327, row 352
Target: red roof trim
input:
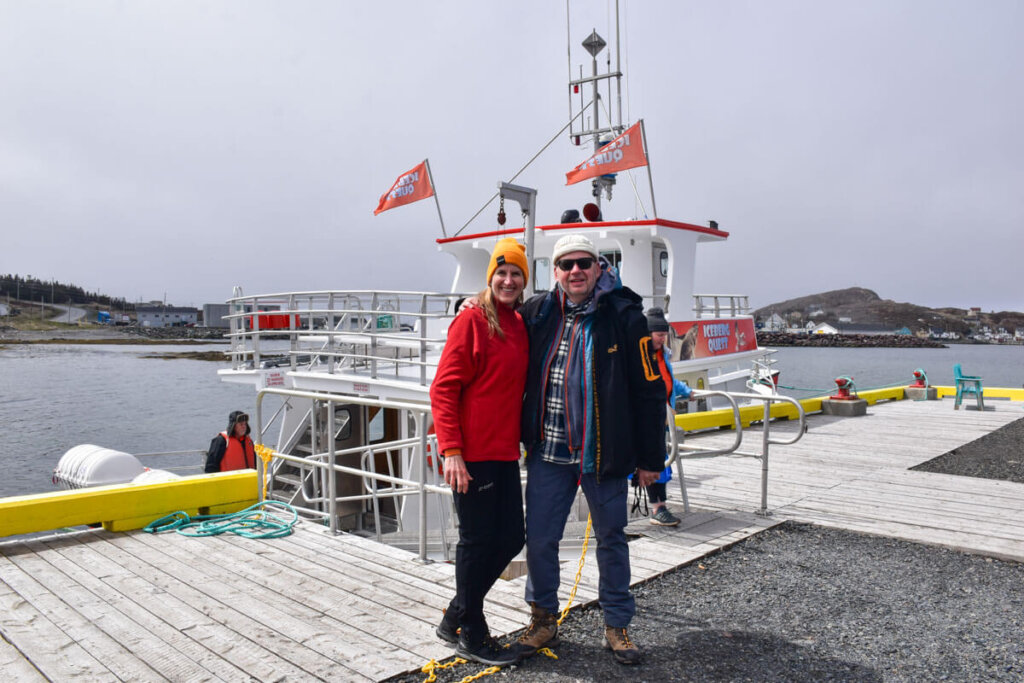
column 676, row 225
column 478, row 235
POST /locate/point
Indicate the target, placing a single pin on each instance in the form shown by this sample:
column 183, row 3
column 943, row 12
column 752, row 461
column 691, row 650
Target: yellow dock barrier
column 712, row 419
column 122, row 507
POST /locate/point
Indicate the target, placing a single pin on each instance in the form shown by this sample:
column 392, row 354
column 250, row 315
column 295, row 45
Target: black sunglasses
column 584, row 263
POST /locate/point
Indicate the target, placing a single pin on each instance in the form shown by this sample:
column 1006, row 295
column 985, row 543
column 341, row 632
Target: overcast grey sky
column 181, row 148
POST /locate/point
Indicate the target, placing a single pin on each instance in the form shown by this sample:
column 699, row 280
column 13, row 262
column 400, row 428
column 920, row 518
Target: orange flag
column 410, row 187
column 625, row 151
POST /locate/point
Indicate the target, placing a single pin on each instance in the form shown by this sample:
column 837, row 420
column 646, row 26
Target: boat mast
column 594, row 44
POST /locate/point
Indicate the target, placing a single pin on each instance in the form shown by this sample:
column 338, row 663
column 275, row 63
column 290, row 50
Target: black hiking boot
column 485, row 650
column 448, row 629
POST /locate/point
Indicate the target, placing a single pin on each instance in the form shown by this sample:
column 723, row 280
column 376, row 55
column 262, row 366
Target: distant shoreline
column 860, row 341
column 112, row 336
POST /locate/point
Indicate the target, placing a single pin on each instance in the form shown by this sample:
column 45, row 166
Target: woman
column 475, row 397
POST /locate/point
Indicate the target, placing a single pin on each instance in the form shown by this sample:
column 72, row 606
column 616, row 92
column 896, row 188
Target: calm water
column 54, row 397
column 803, row 368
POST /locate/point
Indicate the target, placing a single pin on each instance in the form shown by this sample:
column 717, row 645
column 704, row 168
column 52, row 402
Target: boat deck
column 106, row 606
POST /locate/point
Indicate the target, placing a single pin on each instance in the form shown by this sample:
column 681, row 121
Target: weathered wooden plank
column 920, row 518
column 48, row 648
column 106, row 633
column 192, row 661
column 285, row 618
column 15, row 666
column 247, row 642
column 395, row 581
column 440, row 575
column 922, row 500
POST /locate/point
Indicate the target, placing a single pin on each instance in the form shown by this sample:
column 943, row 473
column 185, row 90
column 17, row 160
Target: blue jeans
column 550, row 490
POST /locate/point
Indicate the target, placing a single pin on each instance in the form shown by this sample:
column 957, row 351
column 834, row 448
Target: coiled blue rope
column 255, row 521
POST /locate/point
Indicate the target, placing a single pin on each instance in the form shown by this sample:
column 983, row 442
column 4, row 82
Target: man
column 232, row 449
column 674, row 388
column 593, row 413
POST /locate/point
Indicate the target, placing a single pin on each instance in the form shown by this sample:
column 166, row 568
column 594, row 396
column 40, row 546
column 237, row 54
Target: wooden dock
column 133, row 606
column 853, row 473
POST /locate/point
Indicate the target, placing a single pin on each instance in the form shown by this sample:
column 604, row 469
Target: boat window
column 377, row 427
column 342, row 424
column 663, row 261
column 541, row 274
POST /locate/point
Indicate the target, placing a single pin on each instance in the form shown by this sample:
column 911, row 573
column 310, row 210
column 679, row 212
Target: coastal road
column 71, row 314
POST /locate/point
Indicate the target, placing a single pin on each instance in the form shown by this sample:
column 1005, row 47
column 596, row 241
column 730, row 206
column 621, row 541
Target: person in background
column 674, row 388
column 475, row 398
column 232, row 449
column 593, row 414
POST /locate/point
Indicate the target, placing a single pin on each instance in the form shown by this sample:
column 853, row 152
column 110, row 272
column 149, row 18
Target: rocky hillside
column 864, row 307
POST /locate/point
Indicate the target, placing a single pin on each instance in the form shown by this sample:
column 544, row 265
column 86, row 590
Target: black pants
column 656, row 494
column 491, row 533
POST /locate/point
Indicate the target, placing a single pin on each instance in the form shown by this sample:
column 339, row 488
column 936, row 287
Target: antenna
column 594, row 44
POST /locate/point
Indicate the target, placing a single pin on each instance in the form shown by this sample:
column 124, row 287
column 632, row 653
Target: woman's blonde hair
column 490, row 308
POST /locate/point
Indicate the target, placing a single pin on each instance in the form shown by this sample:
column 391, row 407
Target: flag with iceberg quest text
column 625, row 151
column 410, row 187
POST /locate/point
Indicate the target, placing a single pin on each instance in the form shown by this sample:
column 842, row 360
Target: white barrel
column 155, row 477
column 89, row 465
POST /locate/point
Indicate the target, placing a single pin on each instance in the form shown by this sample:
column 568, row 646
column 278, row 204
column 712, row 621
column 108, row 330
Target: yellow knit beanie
column 508, row 251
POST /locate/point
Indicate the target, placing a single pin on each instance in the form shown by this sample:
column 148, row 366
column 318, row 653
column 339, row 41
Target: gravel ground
column 803, row 603
column 999, row 455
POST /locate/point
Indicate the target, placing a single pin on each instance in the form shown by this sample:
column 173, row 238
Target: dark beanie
column 656, row 320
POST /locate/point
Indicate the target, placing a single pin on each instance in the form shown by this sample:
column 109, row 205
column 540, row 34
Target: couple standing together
column 578, row 362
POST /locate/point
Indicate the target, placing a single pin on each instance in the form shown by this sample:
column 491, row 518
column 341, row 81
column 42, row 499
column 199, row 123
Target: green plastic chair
column 967, row 384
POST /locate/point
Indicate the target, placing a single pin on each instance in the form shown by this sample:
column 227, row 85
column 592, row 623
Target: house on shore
column 160, row 315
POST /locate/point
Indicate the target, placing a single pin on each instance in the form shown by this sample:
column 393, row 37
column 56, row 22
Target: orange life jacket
column 238, row 456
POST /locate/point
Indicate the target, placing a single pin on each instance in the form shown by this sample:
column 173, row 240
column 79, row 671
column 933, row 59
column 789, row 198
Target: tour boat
column 351, row 369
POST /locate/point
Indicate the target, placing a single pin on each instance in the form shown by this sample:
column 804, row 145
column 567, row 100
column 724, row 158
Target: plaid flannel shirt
column 554, row 449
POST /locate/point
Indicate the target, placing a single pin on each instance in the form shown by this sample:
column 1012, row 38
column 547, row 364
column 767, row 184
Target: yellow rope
column 579, row 571
column 486, row 672
column 432, row 667
column 265, row 453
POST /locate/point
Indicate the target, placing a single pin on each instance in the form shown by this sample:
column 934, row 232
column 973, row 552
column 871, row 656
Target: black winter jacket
column 629, row 391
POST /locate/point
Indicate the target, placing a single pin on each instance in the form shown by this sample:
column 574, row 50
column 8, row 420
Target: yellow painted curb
column 122, row 507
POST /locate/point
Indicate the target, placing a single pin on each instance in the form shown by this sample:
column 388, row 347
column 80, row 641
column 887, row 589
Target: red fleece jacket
column 477, row 392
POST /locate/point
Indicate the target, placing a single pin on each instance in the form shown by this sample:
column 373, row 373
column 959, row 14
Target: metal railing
column 718, row 305
column 679, row 451
column 192, row 461
column 326, row 462
column 362, row 331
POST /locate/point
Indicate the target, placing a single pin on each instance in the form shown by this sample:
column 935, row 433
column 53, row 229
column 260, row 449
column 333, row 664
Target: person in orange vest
column 674, row 388
column 232, row 449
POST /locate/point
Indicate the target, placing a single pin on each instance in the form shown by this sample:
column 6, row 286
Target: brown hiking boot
column 542, row 632
column 617, row 640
